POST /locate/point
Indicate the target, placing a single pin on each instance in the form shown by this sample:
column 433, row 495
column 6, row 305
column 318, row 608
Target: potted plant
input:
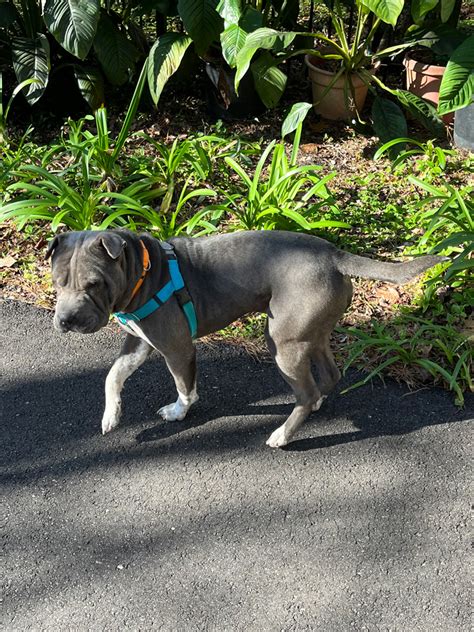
column 426, row 64
column 437, row 39
column 343, row 66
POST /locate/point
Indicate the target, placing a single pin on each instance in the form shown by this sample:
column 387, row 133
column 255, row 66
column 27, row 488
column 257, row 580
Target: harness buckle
column 182, row 296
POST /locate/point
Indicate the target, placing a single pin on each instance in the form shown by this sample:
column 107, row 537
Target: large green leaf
column 447, row 7
column 31, row 61
column 91, row 85
column 230, row 11
column 115, row 52
column 164, row 59
column 269, row 80
column 265, row 38
column 419, row 8
column 73, row 23
column 389, row 122
column 295, row 116
column 251, row 20
column 423, row 111
column 232, row 42
column 201, row 21
column 387, row 10
column 457, row 85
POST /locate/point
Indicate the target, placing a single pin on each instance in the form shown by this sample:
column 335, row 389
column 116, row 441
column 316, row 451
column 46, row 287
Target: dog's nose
column 64, row 322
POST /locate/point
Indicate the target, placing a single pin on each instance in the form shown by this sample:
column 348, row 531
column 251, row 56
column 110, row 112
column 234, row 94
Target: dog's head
column 88, row 275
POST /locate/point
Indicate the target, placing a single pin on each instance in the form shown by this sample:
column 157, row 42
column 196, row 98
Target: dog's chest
column 134, row 329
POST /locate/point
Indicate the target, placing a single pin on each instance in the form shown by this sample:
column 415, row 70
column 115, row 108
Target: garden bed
column 380, row 205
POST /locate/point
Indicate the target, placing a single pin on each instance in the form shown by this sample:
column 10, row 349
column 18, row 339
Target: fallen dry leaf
column 7, row 262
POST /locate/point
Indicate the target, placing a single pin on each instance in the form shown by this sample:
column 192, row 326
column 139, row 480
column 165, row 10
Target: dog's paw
column 278, row 438
column 110, row 420
column 317, row 405
column 173, row 412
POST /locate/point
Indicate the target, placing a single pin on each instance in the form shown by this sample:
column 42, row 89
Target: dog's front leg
column 182, row 366
column 134, row 353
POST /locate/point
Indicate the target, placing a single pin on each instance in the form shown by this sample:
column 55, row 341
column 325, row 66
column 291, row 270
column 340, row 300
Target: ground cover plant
column 198, row 184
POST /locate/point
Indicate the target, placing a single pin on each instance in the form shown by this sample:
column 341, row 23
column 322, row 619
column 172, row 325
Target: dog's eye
column 90, row 285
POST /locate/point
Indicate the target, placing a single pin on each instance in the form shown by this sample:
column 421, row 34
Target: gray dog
column 300, row 281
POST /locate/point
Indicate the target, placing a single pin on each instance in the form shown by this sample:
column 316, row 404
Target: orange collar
column 146, row 267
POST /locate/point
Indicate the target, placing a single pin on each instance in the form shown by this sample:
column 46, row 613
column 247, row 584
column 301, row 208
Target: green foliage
column 449, row 217
column 450, row 47
column 164, row 59
column 282, row 197
column 346, row 56
column 457, row 85
column 219, row 33
column 4, row 111
column 432, row 160
column 89, row 38
column 388, row 121
column 434, row 344
column 412, row 341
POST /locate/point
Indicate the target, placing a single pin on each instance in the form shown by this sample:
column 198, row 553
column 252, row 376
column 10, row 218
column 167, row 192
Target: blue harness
column 175, row 286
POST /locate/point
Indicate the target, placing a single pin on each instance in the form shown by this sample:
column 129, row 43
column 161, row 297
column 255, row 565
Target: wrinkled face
column 87, row 276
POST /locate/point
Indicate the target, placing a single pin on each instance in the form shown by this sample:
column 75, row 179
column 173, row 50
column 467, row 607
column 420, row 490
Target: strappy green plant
column 5, row 110
column 431, row 160
column 281, row 195
column 43, row 195
column 137, row 215
column 440, row 351
column 448, row 214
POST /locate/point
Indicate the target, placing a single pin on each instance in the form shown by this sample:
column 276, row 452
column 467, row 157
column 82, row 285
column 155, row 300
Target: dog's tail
column 355, row 266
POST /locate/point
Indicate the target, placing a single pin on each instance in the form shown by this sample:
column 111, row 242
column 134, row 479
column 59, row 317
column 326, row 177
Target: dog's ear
column 52, row 245
column 113, row 244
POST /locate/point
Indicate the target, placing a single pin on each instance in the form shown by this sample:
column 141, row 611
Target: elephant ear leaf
column 164, row 59
column 115, row 52
column 269, row 80
column 31, row 61
column 73, row 23
column 295, row 116
column 232, row 42
column 457, row 85
column 91, row 85
column 387, row 10
column 201, row 21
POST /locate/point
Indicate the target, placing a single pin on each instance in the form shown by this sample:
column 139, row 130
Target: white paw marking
column 317, row 405
column 110, row 420
column 178, row 410
column 278, row 438
column 174, row 412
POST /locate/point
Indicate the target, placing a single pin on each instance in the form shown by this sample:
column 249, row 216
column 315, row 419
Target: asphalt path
column 360, row 524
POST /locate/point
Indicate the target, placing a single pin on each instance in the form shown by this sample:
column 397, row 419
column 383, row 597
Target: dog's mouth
column 72, row 324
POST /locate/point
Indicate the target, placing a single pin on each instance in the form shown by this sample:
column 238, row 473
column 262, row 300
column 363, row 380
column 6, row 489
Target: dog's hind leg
column 293, row 359
column 328, row 373
column 134, row 353
column 182, row 366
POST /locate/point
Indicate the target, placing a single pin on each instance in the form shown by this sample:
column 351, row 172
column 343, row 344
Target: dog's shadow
column 373, row 411
column 200, row 416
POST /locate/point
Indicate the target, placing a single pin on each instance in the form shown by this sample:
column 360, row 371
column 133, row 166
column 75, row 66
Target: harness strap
column 145, row 267
column 174, row 286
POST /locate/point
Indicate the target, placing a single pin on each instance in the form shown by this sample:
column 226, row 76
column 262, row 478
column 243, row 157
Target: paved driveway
column 360, row 524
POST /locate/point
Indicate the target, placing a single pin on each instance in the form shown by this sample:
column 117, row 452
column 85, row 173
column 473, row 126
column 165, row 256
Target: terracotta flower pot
column 333, row 104
column 424, row 80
